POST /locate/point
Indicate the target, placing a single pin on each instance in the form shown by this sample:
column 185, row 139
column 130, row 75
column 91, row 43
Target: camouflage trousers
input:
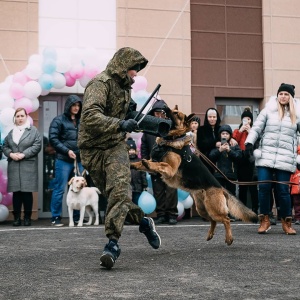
column 110, row 172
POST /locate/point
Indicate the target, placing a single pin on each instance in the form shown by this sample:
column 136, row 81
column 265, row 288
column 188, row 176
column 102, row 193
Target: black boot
column 27, row 221
column 17, row 220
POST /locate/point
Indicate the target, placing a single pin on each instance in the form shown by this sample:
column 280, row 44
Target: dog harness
column 160, row 150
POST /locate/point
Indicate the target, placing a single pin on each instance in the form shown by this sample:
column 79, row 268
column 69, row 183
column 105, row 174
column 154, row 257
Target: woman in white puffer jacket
column 276, row 126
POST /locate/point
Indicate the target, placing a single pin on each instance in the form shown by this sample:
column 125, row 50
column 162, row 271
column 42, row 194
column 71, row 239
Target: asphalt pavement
column 45, row 262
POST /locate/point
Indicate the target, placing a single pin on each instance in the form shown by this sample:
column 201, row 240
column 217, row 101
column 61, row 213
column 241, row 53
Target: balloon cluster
column 42, row 73
column 148, row 203
column 5, row 197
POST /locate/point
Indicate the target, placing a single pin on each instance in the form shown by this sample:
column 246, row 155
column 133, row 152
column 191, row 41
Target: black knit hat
column 131, row 143
column 226, row 128
column 195, row 119
column 285, row 87
column 247, row 113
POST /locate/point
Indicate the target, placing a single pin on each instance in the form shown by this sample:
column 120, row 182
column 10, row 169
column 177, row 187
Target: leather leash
column 197, row 152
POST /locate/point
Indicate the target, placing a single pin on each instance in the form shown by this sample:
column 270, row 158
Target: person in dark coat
column 226, row 158
column 63, row 135
column 21, row 147
column 138, row 178
column 207, row 134
column 165, row 196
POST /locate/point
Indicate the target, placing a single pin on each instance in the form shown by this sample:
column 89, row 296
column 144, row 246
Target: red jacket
column 240, row 137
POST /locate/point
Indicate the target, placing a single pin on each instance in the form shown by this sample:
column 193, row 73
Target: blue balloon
column 49, row 66
column 147, row 202
column 50, row 52
column 46, row 81
column 149, row 181
column 182, row 195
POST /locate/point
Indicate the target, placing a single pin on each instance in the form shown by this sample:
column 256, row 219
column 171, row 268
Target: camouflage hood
column 122, row 61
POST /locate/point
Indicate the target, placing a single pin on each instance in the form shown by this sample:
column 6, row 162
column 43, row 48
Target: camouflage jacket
column 107, row 100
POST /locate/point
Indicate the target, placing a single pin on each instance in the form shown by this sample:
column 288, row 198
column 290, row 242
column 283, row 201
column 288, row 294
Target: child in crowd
column 226, row 158
column 295, row 192
column 245, row 170
column 194, row 125
column 138, row 178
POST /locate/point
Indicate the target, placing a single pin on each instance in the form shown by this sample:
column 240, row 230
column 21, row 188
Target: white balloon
column 84, row 80
column 4, row 212
column 33, row 70
column 32, row 89
column 63, row 65
column 4, row 87
column 59, row 80
column 36, row 58
column 45, row 92
column 188, row 202
column 35, row 104
column 6, row 116
column 180, row 208
column 6, row 101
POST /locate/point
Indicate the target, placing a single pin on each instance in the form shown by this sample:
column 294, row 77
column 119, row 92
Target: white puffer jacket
column 278, row 144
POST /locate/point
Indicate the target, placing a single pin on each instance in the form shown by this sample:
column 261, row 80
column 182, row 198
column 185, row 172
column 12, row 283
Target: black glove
column 128, row 125
column 298, row 167
column 249, row 150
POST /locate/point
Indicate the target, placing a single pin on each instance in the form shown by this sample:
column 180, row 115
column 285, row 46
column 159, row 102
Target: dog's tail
column 239, row 210
column 96, row 189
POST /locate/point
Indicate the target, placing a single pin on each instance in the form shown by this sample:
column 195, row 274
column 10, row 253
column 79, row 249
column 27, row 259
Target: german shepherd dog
column 180, row 168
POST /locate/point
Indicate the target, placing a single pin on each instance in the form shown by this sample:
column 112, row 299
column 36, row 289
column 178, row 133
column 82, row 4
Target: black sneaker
column 160, row 220
column 147, row 227
column 172, row 221
column 110, row 254
column 57, row 222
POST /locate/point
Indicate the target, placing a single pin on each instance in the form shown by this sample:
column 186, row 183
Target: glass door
column 230, row 110
column 50, row 107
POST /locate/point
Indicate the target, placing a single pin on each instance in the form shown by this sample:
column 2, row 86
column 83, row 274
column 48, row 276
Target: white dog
column 82, row 198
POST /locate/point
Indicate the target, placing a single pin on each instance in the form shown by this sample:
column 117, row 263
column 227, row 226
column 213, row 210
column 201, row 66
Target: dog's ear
column 84, row 173
column 70, row 181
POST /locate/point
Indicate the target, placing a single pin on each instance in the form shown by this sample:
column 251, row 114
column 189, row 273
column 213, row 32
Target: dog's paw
column 229, row 241
column 71, row 224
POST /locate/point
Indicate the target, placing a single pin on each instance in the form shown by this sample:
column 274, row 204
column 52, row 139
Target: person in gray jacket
column 276, row 154
column 21, row 147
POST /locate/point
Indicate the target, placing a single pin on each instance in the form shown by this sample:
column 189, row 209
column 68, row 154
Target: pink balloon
column 16, row 90
column 140, row 83
column 91, row 71
column 7, row 199
column 30, row 120
column 20, row 77
column 70, row 81
column 25, row 103
column 77, row 71
column 3, row 185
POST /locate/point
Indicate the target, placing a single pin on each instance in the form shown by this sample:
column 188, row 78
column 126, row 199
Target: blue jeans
column 63, row 172
column 282, row 190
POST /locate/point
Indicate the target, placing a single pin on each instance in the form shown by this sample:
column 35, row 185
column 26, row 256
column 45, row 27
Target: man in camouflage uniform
column 104, row 152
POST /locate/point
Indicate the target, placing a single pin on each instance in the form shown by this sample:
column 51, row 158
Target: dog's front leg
column 82, row 211
column 71, row 221
column 162, row 168
column 138, row 166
